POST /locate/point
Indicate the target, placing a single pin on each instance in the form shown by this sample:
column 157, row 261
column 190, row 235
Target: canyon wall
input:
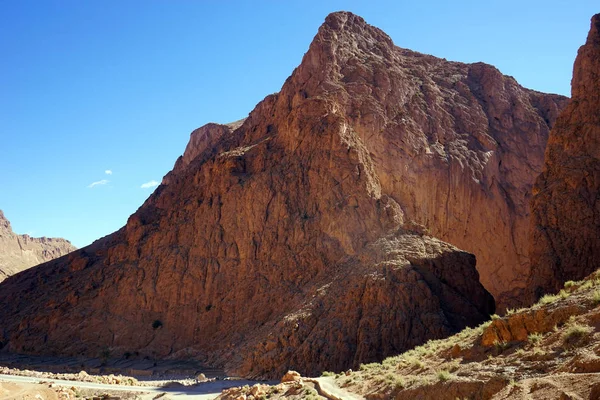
column 565, row 224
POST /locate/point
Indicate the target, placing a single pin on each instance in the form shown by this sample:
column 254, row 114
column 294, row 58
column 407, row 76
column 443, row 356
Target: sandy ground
column 20, row 391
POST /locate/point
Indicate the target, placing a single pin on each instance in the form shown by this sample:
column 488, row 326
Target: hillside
column 19, row 252
column 547, row 351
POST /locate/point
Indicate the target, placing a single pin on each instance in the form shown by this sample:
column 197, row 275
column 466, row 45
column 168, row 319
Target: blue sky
column 93, row 86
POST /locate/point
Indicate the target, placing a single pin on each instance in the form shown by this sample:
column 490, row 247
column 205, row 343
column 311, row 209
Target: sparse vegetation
column 538, row 352
column 575, row 332
column 464, row 353
column 413, row 361
column 535, row 338
column 274, row 390
column 443, row 375
column 551, row 298
column 501, row 345
column 570, row 284
column 310, row 394
column 398, row 382
column 366, row 367
column 453, row 366
column 513, row 383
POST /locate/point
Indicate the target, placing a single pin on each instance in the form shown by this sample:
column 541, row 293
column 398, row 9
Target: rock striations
column 304, row 237
column 565, row 225
column 19, row 252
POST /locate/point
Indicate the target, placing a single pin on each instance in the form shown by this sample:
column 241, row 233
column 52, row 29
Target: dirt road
column 202, row 391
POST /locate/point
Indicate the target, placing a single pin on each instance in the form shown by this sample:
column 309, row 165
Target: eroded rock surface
column 456, row 145
column 565, row 228
column 304, row 238
column 19, row 252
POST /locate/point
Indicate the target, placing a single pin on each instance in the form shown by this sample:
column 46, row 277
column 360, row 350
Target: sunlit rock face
column 19, row 252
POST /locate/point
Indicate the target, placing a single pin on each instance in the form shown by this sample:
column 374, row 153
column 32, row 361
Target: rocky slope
column 565, row 228
column 19, row 252
column 304, row 238
column 548, row 351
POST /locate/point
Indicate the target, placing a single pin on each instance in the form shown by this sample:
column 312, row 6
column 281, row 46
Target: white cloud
column 102, row 182
column 108, row 172
column 150, row 184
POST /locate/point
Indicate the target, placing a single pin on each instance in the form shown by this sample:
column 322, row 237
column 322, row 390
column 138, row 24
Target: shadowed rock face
column 298, row 239
column 19, row 252
column 565, row 228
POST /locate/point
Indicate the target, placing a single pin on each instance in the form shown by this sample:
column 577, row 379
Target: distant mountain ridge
column 19, row 252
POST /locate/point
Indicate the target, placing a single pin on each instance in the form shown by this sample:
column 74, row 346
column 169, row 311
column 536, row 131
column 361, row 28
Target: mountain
column 19, row 252
column 315, row 233
column 547, row 351
column 565, row 227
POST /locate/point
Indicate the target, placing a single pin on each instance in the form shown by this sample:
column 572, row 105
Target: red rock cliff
column 565, row 228
column 298, row 240
column 458, row 146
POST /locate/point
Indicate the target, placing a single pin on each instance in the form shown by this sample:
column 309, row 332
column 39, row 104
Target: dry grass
column 462, row 356
column 443, row 375
column 575, row 332
column 535, row 338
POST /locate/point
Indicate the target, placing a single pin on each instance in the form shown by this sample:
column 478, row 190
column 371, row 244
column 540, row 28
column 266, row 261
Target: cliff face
column 565, row 228
column 458, row 146
column 304, row 238
column 19, row 252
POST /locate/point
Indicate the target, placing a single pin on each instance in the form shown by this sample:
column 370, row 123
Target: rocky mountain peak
column 594, row 34
column 586, row 75
column 341, row 38
column 4, row 223
column 344, row 26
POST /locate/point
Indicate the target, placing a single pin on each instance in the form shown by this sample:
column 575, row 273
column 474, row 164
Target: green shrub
column 535, row 338
column 575, row 332
column 443, row 375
